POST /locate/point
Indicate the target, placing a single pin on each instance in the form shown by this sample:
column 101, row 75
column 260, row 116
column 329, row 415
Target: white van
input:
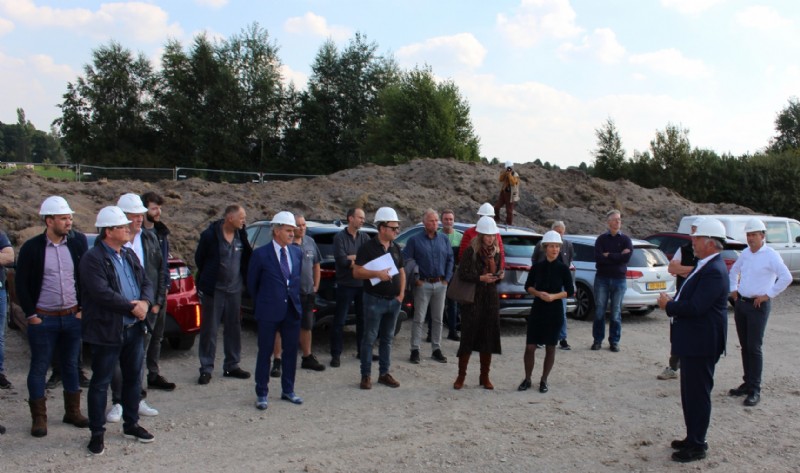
column 783, row 234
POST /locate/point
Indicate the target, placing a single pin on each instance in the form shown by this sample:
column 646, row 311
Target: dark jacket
column 154, row 266
column 206, row 257
column 30, row 268
column 615, row 265
column 104, row 306
column 162, row 232
column 265, row 282
column 700, row 326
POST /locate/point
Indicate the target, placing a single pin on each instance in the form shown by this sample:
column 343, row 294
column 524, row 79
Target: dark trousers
column 697, row 381
column 289, row 328
column 345, row 295
column 220, row 307
column 751, row 323
column 129, row 356
column 504, row 199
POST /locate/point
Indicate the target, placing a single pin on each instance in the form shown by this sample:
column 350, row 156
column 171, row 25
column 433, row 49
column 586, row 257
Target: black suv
column 260, row 233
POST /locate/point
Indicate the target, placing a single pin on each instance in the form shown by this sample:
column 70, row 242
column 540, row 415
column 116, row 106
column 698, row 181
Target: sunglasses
column 394, row 229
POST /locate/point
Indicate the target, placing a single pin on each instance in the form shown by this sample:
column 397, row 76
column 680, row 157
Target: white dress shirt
column 760, row 273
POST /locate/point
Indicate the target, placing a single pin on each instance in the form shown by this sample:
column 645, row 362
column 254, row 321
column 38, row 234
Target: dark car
column 518, row 244
column 260, row 233
column 182, row 323
column 669, row 242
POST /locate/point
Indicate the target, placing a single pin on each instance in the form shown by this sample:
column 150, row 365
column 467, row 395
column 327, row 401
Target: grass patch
column 62, row 174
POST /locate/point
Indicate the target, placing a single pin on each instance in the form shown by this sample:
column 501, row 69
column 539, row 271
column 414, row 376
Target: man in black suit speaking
column 699, row 315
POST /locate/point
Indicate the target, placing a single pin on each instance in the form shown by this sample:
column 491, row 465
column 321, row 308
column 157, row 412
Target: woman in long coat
column 480, row 321
column 548, row 281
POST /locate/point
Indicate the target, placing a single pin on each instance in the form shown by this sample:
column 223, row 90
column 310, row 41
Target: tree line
column 767, row 181
column 224, row 105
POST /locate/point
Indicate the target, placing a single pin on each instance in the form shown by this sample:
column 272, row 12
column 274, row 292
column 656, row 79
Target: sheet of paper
column 379, row 264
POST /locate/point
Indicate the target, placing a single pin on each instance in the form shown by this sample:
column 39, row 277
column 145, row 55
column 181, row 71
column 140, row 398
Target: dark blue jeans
column 3, row 322
column 55, row 332
column 380, row 318
column 130, row 356
column 751, row 323
column 344, row 296
column 605, row 290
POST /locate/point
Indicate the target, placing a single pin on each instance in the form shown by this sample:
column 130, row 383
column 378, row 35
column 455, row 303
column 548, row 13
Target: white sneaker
column 668, row 373
column 114, row 414
column 145, row 410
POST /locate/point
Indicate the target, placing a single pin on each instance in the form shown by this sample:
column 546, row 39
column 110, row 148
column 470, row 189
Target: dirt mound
column 547, row 195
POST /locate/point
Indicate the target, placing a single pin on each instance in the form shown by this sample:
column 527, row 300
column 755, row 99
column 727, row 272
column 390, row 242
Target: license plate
column 656, row 286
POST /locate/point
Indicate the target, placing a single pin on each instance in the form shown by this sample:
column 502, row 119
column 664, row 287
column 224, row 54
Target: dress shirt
column 760, row 273
column 58, row 280
column 277, row 249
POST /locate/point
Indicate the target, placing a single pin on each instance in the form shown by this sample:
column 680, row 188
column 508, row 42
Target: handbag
column 460, row 291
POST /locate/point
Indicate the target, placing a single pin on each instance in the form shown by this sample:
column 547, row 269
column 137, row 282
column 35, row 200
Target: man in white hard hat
column 384, row 288
column 509, row 193
column 485, row 210
column 48, row 290
column 116, row 298
column 757, row 277
column 273, row 280
column 222, row 256
column 147, row 248
column 681, row 264
column 699, row 314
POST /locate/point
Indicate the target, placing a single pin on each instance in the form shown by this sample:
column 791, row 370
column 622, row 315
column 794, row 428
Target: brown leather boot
column 463, row 361
column 39, row 415
column 486, row 360
column 72, row 410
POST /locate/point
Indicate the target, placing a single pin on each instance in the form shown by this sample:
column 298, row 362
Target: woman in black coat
column 549, row 282
column 480, row 320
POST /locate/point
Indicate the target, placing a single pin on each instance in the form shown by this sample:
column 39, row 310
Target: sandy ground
column 605, row 412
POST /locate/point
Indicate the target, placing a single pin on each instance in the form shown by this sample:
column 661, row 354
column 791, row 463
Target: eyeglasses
column 394, row 229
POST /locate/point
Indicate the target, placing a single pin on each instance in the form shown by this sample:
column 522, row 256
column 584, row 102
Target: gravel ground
column 605, row 412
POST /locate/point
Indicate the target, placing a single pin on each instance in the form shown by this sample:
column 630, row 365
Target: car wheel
column 584, row 300
column 641, row 312
column 183, row 342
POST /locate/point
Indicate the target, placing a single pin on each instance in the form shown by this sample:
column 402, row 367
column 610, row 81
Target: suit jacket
column 272, row 298
column 700, row 325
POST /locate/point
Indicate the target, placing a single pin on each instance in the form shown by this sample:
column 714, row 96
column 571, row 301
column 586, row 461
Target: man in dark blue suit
column 699, row 314
column 273, row 279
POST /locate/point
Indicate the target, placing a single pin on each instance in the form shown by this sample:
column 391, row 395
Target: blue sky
column 540, row 75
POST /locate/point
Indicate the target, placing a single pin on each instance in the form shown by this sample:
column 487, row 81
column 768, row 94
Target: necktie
column 285, row 264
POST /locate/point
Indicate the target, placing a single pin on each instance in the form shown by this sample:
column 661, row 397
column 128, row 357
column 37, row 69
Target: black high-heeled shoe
column 543, row 387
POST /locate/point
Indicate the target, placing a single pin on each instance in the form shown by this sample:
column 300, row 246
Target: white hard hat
column 754, row 225
column 284, row 218
column 697, row 221
column 131, row 204
column 509, row 164
column 55, row 205
column 551, row 237
column 486, row 209
column 111, row 216
column 386, row 214
column 710, row 227
column 486, row 226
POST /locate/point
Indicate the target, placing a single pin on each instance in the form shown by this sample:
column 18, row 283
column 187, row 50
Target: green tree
column 421, row 118
column 787, row 124
column 609, row 157
column 671, row 154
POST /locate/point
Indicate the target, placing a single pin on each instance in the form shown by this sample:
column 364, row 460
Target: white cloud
column 137, row 20
column 762, row 18
column 602, row 44
column 672, row 62
column 299, row 79
column 690, row 7
column 212, row 3
column 6, row 26
column 316, row 25
column 445, row 52
column 538, row 19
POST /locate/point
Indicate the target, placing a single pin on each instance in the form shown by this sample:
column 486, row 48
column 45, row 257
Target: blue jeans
column 344, row 296
column 451, row 311
column 606, row 289
column 129, row 356
column 62, row 332
column 380, row 318
column 562, row 335
column 3, row 323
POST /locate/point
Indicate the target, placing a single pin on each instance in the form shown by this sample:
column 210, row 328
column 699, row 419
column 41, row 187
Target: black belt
column 381, row 296
column 747, row 299
column 433, row 280
column 58, row 313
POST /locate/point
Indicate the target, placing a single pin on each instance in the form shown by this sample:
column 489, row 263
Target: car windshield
column 647, row 258
column 519, row 246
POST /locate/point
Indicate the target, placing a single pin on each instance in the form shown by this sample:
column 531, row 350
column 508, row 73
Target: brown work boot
column 486, row 360
column 366, row 382
column 463, row 361
column 39, row 415
column 388, row 380
column 72, row 410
